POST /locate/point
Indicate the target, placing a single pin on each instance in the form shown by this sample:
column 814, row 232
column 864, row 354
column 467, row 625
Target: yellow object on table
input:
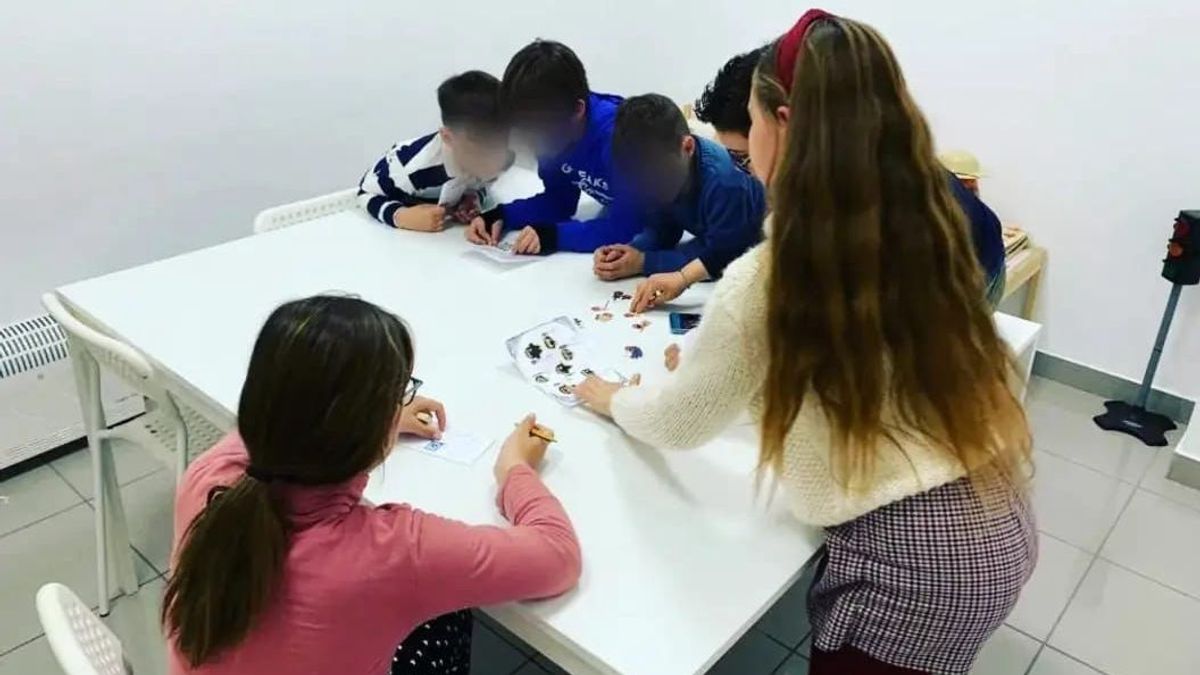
column 1023, row 264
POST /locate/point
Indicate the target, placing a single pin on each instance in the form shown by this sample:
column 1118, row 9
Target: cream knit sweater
column 722, row 374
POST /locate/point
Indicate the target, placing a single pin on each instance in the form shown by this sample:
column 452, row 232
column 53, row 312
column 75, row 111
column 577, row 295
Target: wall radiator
column 39, row 407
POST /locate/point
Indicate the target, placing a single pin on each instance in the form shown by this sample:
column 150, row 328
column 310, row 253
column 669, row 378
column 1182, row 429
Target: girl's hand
column 671, row 357
column 597, row 394
column 528, row 242
column 521, row 447
column 423, row 417
column 658, row 289
column 479, row 233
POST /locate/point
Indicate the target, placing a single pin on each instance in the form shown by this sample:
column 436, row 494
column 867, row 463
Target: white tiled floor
column 1116, row 591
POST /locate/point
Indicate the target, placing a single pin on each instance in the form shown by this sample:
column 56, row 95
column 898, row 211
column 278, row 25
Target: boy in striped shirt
column 445, row 177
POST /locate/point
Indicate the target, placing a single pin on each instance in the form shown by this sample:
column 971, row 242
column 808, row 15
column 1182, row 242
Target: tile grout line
column 1081, row 465
column 781, row 643
column 527, row 661
column 1149, row 578
column 1018, row 630
column 64, row 479
column 1085, row 664
column 1083, row 578
column 43, row 519
column 23, row 644
column 1176, row 502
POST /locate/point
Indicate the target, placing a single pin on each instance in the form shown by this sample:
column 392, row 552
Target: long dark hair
column 326, row 379
column 875, row 299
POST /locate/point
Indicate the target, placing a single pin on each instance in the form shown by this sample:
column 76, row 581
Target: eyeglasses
column 410, row 392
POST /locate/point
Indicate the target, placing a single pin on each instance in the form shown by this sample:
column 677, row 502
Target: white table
column 680, row 557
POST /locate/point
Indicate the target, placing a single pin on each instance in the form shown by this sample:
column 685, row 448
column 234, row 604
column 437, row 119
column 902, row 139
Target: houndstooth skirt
column 923, row 582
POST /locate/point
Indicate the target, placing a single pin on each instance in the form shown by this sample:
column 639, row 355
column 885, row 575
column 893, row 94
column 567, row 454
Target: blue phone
column 682, row 322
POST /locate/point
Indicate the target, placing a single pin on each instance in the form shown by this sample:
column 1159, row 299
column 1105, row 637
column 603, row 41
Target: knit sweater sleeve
column 716, row 379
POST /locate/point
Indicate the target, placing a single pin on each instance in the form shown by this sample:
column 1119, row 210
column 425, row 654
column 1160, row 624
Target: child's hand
column 618, row 262
column 479, row 233
column 420, row 218
column 528, row 242
column 657, row 289
column 521, row 447
column 423, row 417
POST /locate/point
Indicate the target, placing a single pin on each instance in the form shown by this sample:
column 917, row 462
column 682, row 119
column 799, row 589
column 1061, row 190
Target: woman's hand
column 423, row 417
column 658, row 289
column 597, row 394
column 521, row 447
column 671, row 357
column 528, row 242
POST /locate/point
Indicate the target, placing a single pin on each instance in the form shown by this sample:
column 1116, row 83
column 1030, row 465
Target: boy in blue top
column 545, row 94
column 684, row 184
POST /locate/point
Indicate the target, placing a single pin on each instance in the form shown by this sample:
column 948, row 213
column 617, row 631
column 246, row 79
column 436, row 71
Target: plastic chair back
column 81, row 642
column 286, row 215
column 111, row 354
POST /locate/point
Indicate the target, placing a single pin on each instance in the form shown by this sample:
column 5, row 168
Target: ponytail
column 230, row 560
column 326, row 377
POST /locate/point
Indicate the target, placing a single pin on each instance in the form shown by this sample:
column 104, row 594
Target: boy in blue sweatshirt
column 545, row 94
column 684, row 184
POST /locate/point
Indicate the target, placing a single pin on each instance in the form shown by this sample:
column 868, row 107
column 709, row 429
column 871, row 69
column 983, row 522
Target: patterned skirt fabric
column 438, row 647
column 923, row 582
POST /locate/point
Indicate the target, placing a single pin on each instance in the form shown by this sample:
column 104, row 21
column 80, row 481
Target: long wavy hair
column 876, row 300
column 326, row 379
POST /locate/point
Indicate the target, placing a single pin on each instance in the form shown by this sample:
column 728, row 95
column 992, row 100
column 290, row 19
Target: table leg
column 1031, row 292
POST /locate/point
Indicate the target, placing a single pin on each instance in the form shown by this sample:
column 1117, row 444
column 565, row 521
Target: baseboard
column 1109, row 386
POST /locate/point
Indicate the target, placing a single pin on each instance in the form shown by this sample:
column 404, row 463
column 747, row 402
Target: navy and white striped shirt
column 420, row 171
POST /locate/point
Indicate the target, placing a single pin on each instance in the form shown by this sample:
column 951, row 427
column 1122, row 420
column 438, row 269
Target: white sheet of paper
column 461, row 447
column 502, row 253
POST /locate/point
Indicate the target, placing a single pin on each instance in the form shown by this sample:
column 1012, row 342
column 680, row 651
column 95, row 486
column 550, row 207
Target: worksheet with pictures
column 555, row 357
column 502, row 252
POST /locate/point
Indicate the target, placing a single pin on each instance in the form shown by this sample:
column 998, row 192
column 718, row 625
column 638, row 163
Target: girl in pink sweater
column 280, row 567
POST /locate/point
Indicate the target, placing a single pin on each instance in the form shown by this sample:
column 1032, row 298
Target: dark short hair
column 545, row 76
column 471, row 101
column 724, row 101
column 646, row 126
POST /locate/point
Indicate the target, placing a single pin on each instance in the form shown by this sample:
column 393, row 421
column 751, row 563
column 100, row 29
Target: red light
column 1174, row 250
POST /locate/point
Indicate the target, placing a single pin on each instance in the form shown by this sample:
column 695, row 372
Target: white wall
column 135, row 130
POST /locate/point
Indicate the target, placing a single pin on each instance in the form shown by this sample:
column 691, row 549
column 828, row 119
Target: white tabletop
column 679, row 557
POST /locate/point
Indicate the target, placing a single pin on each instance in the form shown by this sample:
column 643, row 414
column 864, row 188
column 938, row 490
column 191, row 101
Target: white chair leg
column 87, row 385
column 120, row 553
column 95, row 447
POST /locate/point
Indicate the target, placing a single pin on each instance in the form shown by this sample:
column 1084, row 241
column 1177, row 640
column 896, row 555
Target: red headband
column 789, row 46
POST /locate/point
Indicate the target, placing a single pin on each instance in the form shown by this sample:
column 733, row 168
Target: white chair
column 169, row 430
column 81, row 642
column 308, row 209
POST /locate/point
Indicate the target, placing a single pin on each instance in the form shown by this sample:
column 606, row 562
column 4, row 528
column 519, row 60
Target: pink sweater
column 359, row 578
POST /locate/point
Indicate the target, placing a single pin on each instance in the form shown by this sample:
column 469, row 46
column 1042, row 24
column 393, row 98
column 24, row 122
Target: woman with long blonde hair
column 858, row 337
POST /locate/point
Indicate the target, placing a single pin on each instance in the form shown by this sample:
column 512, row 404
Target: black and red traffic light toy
column 1182, row 264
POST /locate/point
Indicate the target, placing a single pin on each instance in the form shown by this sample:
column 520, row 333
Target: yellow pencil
column 543, row 433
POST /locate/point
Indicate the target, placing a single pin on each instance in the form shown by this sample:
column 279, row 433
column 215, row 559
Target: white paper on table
column 503, row 253
column 461, row 447
column 540, row 351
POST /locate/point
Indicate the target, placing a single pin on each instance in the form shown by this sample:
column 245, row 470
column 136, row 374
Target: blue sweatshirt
column 584, row 166
column 985, row 229
column 722, row 207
